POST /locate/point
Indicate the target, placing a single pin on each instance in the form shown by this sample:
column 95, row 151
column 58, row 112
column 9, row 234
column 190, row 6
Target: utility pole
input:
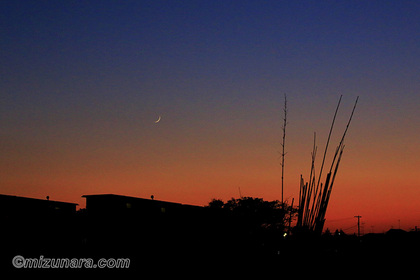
column 358, row 225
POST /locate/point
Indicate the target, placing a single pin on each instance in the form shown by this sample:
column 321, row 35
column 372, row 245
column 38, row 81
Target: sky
column 83, row 82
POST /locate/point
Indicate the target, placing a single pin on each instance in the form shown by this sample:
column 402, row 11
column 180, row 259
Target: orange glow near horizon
column 193, row 167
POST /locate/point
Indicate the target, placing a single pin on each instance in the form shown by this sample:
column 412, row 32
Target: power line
column 349, row 227
column 338, row 220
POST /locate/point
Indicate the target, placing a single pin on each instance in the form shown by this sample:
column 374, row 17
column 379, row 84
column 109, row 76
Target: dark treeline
column 256, row 213
column 245, row 232
column 253, row 226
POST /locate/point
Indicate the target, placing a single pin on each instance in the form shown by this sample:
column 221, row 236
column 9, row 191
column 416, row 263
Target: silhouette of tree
column 216, row 203
column 256, row 213
column 327, row 233
column 252, row 226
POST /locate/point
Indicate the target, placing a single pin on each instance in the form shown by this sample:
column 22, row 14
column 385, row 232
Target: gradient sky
column 82, row 83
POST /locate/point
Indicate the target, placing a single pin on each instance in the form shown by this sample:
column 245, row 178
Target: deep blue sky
column 83, row 81
column 345, row 44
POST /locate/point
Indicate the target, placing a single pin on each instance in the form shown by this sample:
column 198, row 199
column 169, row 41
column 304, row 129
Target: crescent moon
column 158, row 120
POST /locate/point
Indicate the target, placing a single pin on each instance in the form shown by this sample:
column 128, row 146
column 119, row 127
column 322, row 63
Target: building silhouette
column 34, row 227
column 12, row 207
column 111, row 205
column 142, row 228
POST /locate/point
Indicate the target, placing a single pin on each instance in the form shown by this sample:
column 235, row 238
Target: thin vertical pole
column 358, row 225
column 282, row 145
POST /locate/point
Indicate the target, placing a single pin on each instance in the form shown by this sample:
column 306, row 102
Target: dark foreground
column 185, row 248
column 164, row 238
